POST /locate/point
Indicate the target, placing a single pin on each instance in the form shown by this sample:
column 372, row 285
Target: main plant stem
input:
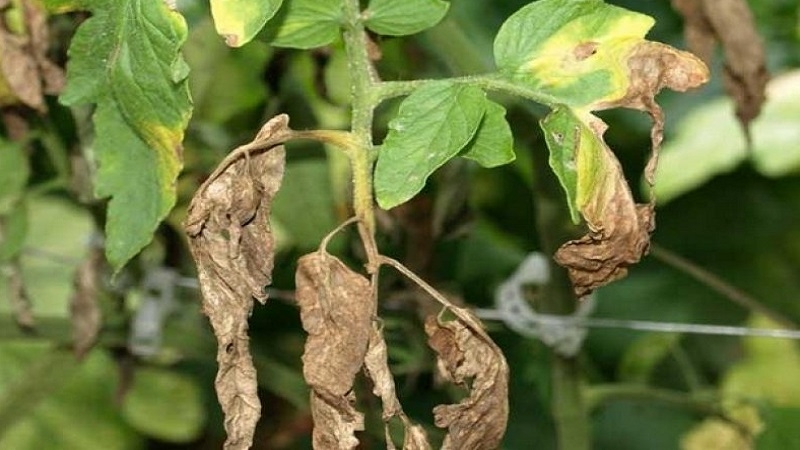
column 568, row 405
column 362, row 86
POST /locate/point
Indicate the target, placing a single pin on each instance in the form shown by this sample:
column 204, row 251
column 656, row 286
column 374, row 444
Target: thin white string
column 564, row 322
column 646, row 325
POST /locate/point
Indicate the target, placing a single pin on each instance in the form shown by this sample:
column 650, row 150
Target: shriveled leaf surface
column 376, row 363
column 239, row 21
column 83, row 305
column 232, row 245
column 618, row 228
column 591, row 56
column 469, row 358
column 26, row 74
column 126, row 60
column 730, row 24
column 337, row 309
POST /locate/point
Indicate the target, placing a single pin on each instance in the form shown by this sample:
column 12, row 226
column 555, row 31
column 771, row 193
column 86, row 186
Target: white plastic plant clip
column 564, row 334
column 157, row 303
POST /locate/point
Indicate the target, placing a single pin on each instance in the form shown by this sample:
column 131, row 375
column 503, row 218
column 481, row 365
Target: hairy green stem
column 363, row 80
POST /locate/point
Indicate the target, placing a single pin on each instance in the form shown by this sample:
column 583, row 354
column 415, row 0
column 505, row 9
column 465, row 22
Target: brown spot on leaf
column 469, row 358
column 232, row 245
column 729, row 23
column 585, row 50
column 83, row 306
column 336, row 308
column 26, row 74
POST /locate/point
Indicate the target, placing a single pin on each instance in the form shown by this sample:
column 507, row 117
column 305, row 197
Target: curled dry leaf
column 729, row 23
column 83, row 306
column 26, row 74
column 232, row 245
column 619, row 229
column 376, row 363
column 469, row 358
column 337, row 309
column 653, row 66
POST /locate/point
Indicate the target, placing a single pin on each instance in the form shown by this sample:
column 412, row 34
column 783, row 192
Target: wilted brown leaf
column 232, row 245
column 619, row 234
column 653, row 66
column 469, row 358
column 619, row 229
column 729, row 23
column 376, row 363
column 83, row 306
column 337, row 309
column 26, row 73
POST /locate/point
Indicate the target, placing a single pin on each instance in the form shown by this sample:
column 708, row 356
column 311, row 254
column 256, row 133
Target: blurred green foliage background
column 149, row 382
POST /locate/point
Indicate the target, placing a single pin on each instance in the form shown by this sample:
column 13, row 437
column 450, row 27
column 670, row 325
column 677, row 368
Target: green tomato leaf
column 238, row 21
column 306, row 24
column 572, row 50
column 14, row 173
column 433, row 124
column 400, row 18
column 562, row 132
column 493, row 144
column 125, row 59
column 164, row 404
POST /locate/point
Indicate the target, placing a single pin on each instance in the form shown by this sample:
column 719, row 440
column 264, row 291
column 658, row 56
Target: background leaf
column 238, row 21
column 164, row 404
column 306, row 24
column 395, row 18
column 125, row 59
column 433, row 124
column 14, row 174
column 75, row 406
column 709, row 141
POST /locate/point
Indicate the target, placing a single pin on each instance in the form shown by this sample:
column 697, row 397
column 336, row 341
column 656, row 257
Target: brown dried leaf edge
column 619, row 229
column 232, row 245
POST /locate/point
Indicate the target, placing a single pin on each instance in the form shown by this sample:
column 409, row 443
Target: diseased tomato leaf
column 590, row 56
column 730, row 23
column 126, row 60
column 233, row 247
column 26, row 73
column 336, row 307
column 467, row 357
